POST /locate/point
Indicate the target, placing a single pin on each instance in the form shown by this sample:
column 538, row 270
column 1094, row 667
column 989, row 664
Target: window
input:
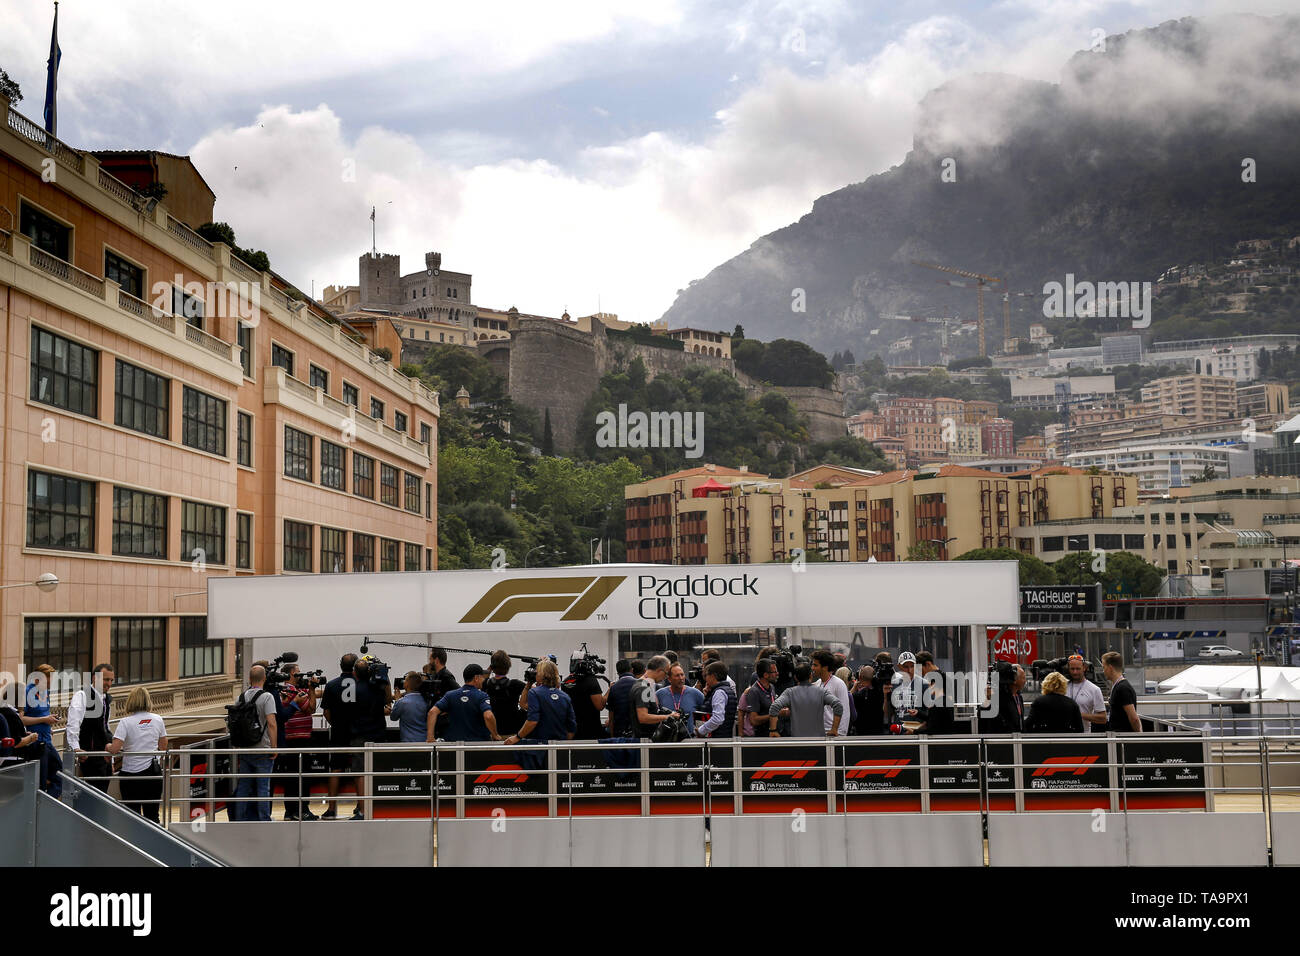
column 1134, row 542
column 60, row 512
column 186, row 305
column 200, row 656
column 428, row 501
column 351, row 395
column 1108, row 542
column 428, row 559
column 363, row 552
column 331, row 465
column 282, row 357
column 244, row 440
column 243, row 540
column 413, row 493
column 376, row 408
column 128, row 276
column 62, row 642
column 203, row 421
column 412, row 556
column 387, row 485
column 297, row 546
column 46, row 233
column 141, row 400
column 400, row 422
column 139, row 524
column 1056, row 543
column 203, row 530
column 137, row 649
column 363, row 476
column 297, row 453
column 331, row 551
column 64, row 374
column 244, row 339
column 317, row 377
column 426, row 433
column 388, row 553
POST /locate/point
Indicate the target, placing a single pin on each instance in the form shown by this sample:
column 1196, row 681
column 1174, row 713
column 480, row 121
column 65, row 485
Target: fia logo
column 758, row 786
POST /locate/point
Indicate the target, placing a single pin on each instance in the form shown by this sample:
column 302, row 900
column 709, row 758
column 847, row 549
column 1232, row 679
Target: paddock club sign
column 616, row 596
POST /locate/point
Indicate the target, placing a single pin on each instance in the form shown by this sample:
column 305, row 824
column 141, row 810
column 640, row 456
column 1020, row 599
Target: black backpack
column 244, row 722
column 505, row 703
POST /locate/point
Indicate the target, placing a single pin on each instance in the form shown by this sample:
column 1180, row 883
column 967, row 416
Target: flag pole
column 52, row 79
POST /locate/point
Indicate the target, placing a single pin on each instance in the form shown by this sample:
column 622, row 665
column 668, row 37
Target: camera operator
column 644, row 702
column 468, row 709
column 618, row 698
column 442, row 681
column 806, row 703
column 369, row 720
column 294, row 706
column 411, row 710
column 1010, row 715
column 936, row 710
column 583, row 687
column 720, row 701
column 1086, row 694
column 339, row 704
column 709, row 656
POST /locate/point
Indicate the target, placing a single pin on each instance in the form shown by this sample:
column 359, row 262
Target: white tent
column 1282, row 689
column 1187, row 690
column 1235, row 680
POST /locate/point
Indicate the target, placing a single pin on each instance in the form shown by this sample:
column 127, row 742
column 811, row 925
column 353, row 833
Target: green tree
column 1033, row 571
column 922, row 551
column 13, row 91
column 1121, row 573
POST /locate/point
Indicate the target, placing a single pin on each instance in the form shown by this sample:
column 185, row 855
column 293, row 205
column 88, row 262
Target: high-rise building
column 997, row 437
column 172, row 413
column 1201, row 398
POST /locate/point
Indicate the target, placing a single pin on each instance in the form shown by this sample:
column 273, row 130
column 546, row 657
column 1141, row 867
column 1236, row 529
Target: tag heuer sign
column 1058, row 599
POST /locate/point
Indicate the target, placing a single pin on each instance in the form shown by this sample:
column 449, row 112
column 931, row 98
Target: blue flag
column 52, row 79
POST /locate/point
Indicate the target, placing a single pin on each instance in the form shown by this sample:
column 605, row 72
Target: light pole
column 942, row 543
column 46, row 583
column 530, row 551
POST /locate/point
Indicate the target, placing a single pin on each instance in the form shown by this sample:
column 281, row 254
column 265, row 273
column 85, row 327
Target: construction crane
column 980, row 282
column 945, row 326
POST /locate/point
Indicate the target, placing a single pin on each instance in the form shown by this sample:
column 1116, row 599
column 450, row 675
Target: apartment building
column 1255, row 401
column 171, row 413
column 867, row 425
column 713, row 514
column 997, row 438
column 1199, row 398
column 1206, row 528
column 1160, row 467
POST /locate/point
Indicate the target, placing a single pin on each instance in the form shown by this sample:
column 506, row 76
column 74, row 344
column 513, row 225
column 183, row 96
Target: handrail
column 38, row 137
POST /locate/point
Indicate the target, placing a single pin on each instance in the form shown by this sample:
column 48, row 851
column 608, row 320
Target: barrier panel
column 1285, row 827
column 1058, row 839
column 1187, row 839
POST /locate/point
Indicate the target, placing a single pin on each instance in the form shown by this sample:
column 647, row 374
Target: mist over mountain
column 1130, row 164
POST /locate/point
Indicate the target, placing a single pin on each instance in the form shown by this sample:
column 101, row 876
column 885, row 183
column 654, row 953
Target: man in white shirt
column 823, row 670
column 87, row 730
column 1086, row 694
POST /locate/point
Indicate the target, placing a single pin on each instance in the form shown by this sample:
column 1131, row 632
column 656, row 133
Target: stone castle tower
column 380, row 280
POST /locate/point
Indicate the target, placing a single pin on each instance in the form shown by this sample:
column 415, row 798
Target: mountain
column 1132, row 163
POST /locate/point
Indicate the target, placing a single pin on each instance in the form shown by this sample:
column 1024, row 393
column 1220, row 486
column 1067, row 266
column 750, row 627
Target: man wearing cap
column 468, row 710
column 905, row 696
column 1092, row 705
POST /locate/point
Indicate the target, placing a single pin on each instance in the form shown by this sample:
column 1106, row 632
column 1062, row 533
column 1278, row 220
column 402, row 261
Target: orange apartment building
column 169, row 414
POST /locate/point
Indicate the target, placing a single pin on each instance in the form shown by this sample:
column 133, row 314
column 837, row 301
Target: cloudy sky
column 568, row 153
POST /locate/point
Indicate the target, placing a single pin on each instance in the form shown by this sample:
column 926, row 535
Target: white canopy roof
column 1231, row 680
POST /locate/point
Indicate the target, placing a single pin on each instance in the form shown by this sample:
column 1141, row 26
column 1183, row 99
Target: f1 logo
column 795, row 769
column 885, row 768
column 499, row 772
column 1055, row 765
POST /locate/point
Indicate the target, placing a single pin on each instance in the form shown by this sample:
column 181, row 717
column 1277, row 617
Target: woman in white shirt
column 138, row 734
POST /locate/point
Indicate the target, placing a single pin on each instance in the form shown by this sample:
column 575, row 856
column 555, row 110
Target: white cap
column 907, row 657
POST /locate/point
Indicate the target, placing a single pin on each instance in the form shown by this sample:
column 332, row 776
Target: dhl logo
column 1055, row 765
column 502, row 773
column 795, row 769
column 885, row 768
column 577, row 597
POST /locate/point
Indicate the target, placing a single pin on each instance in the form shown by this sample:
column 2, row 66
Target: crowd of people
column 657, row 699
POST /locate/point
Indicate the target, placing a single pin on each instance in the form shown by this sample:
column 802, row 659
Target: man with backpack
column 504, row 693
column 251, row 722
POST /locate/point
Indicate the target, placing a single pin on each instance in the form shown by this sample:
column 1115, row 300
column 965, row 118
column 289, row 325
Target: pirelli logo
column 576, row 597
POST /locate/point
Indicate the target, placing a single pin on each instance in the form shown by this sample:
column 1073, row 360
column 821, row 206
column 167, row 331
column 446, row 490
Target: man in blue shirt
column 616, row 700
column 468, row 709
column 677, row 696
column 411, row 711
column 550, row 710
column 36, row 716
